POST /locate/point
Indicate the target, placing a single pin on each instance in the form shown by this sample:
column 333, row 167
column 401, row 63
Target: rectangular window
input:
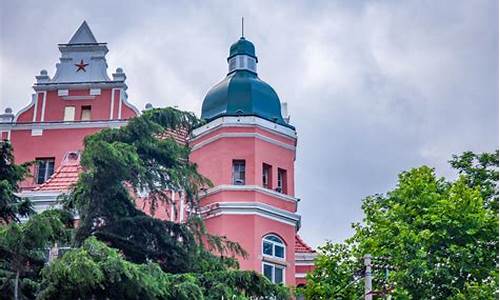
column 44, row 169
column 86, row 113
column 275, row 273
column 278, row 275
column 266, row 176
column 282, row 188
column 69, row 113
column 238, row 172
column 268, row 271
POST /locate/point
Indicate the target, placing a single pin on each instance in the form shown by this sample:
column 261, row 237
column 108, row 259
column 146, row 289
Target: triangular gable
column 83, row 35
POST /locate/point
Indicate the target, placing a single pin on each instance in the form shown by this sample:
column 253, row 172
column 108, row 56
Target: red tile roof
column 301, row 246
column 179, row 135
column 65, row 176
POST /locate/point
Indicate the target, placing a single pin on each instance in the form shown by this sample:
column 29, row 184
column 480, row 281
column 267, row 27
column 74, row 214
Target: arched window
column 273, row 252
column 273, row 246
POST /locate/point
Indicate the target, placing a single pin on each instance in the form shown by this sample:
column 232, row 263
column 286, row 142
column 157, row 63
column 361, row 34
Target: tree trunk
column 16, row 286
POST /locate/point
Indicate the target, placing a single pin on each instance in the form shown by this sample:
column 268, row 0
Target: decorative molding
column 62, row 92
column 36, row 132
column 95, row 92
column 120, row 92
column 305, row 259
column 78, row 97
column 63, row 125
column 79, row 85
column 244, row 135
column 26, row 108
column 42, row 201
column 248, row 188
column 244, row 121
column 251, row 208
column 300, row 275
column 36, row 107
column 42, row 117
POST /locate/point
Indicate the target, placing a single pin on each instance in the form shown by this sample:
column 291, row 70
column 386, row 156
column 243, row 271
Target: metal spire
column 242, row 27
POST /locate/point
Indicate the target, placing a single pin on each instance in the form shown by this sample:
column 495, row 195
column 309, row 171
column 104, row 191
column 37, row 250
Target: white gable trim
column 62, row 125
column 249, row 188
column 244, row 121
column 243, row 135
column 251, row 208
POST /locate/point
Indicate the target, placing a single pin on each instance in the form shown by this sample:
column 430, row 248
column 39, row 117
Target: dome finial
column 242, row 27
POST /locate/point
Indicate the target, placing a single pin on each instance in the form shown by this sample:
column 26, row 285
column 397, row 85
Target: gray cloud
column 373, row 87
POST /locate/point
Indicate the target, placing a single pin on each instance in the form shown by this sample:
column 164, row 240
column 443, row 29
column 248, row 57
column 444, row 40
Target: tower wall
column 246, row 213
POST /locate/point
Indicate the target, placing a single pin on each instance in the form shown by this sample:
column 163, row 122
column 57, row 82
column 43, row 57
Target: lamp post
column 368, row 276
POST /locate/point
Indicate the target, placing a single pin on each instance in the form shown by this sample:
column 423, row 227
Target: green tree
column 481, row 171
column 441, row 237
column 133, row 158
column 23, row 249
column 96, row 271
column 138, row 157
column 11, row 205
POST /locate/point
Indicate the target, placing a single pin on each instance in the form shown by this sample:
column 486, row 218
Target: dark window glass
column 281, row 181
column 266, row 176
column 238, row 172
column 268, row 271
column 273, row 238
column 278, row 275
column 44, row 169
column 267, row 248
column 279, row 251
column 86, row 113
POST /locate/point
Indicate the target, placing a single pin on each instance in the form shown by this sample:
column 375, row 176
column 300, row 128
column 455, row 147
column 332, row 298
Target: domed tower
column 247, row 150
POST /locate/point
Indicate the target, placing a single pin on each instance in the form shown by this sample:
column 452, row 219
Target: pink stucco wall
column 248, row 231
column 214, row 158
column 56, row 142
column 54, row 106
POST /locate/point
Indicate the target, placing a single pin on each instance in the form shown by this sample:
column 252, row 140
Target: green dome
column 242, row 46
column 242, row 93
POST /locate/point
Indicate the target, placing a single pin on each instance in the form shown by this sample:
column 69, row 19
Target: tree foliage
column 23, row 249
column 96, row 271
column 11, row 205
column 441, row 237
column 171, row 258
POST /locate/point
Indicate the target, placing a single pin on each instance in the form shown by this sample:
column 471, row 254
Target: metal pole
column 368, row 276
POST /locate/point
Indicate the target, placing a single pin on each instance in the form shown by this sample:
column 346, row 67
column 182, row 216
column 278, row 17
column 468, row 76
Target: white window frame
column 266, row 179
column 46, row 162
column 282, row 244
column 274, row 266
column 281, row 181
column 243, row 181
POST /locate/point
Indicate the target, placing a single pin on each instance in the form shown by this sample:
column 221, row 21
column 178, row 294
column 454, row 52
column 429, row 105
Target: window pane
column 50, row 169
column 266, row 175
column 267, row 248
column 41, row 172
column 278, row 275
column 279, row 251
column 274, row 239
column 239, row 172
column 86, row 112
column 268, row 271
column 69, row 113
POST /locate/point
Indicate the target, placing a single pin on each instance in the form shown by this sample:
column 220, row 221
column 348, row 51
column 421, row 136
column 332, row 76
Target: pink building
column 246, row 148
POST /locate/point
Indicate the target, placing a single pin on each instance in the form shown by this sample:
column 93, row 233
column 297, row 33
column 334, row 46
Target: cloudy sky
column 374, row 88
